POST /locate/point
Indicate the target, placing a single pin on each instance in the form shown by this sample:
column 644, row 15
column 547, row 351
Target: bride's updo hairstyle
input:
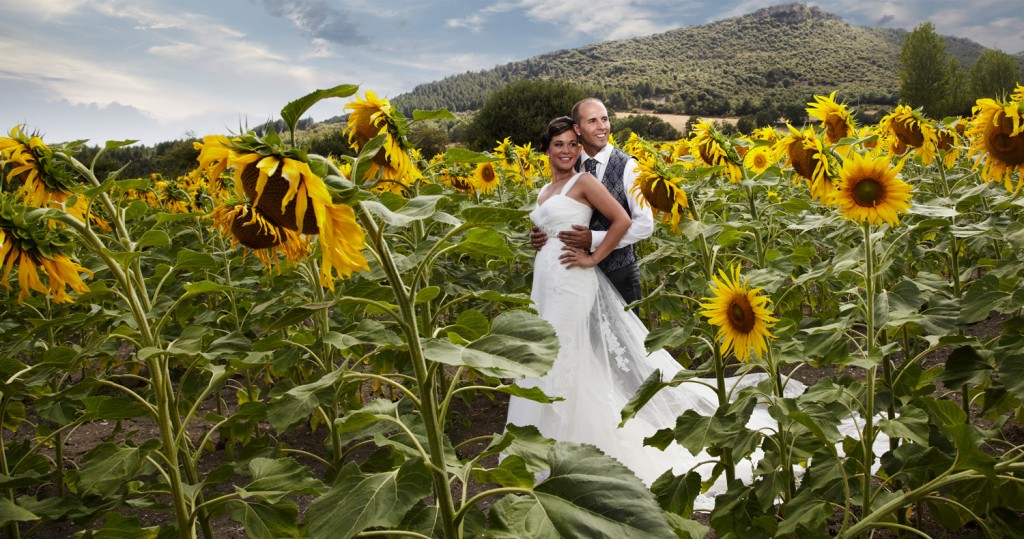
column 555, row 127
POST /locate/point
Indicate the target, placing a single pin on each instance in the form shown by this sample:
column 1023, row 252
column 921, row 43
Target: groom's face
column 593, row 127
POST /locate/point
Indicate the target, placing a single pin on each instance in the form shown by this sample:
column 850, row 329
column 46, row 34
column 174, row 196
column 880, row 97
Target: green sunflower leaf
column 292, row 112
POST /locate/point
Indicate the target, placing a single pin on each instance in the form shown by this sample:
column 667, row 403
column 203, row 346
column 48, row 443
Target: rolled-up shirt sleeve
column 643, row 219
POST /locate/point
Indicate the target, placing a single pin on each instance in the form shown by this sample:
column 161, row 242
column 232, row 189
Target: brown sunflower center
column 706, row 153
column 868, row 192
column 944, row 141
column 802, row 159
column 760, row 160
column 1002, row 145
column 461, row 184
column 660, row 195
column 270, row 200
column 741, row 317
column 836, row 128
column 487, row 173
column 741, row 314
column 909, row 132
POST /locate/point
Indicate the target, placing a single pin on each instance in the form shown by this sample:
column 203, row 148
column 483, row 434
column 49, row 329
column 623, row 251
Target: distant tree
column 765, row 118
column 175, row 158
column 690, row 122
column 746, row 108
column 430, row 138
column 794, row 112
column 520, row 110
column 994, row 74
column 746, row 124
column 924, row 71
column 330, row 141
column 646, row 126
column 957, row 101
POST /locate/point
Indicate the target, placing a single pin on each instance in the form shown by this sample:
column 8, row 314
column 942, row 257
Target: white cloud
column 48, row 10
column 600, row 19
column 473, row 22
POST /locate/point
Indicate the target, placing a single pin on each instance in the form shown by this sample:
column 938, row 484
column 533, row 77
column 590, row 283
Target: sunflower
column 528, row 159
column 370, row 117
column 44, row 179
column 505, row 151
column 247, row 226
column 287, row 194
column 713, row 149
column 485, row 177
column 656, row 188
column 912, row 129
column 635, row 145
column 172, row 196
column 742, row 315
column 949, row 142
column 758, row 159
column 767, row 134
column 870, row 191
column 835, row 119
column 997, row 140
column 678, row 150
column 37, row 249
column 807, row 157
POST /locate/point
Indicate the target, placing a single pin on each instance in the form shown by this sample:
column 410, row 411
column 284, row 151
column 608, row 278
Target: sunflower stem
column 868, row 435
column 784, row 452
column 723, row 399
column 12, row 527
column 429, row 409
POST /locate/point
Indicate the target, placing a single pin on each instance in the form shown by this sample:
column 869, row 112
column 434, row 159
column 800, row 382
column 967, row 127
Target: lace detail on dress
column 612, row 343
column 551, row 231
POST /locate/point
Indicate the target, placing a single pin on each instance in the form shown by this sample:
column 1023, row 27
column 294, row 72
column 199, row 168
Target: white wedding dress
column 602, row 361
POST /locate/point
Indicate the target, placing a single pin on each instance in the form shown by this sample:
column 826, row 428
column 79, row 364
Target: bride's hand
column 574, row 257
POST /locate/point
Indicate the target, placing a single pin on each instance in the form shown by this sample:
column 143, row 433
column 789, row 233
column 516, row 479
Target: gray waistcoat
column 613, row 173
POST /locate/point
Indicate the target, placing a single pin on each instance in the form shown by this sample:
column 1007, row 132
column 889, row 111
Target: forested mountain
column 779, row 54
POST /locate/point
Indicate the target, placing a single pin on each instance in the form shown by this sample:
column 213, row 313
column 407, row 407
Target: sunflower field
column 198, row 323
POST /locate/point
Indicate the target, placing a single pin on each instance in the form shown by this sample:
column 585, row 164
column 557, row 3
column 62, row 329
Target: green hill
column 782, row 54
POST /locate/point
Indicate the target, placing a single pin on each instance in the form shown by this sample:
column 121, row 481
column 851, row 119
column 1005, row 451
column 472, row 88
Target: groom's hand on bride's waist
column 578, row 237
column 538, row 238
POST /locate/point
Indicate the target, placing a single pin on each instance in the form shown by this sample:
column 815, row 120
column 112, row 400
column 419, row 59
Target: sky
column 159, row 70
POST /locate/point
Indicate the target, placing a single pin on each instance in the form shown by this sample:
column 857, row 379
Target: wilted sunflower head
column 393, row 164
column 997, row 140
column 285, row 193
column 741, row 313
column 214, row 155
column 767, row 134
column 505, row 152
column 247, row 226
column 528, row 160
column 912, row 129
column 41, row 178
column 869, row 190
column 835, row 118
column 808, row 158
column 33, row 247
column 371, row 116
column 713, row 149
column 655, row 188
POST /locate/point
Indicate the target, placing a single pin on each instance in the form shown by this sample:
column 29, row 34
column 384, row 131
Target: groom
column 617, row 171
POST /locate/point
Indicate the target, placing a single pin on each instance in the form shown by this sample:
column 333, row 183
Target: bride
column 601, row 360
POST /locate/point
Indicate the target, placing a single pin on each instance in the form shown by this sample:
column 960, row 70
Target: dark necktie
column 590, row 165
